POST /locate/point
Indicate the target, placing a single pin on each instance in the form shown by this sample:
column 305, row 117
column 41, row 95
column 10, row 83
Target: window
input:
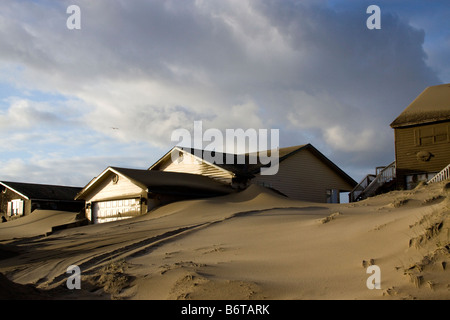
column 441, row 134
column 15, row 207
column 115, row 179
column 432, row 135
column 264, row 184
column 332, row 195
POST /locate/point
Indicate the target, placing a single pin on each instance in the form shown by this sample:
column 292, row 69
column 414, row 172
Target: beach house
column 120, row 193
column 18, row 198
column 304, row 173
column 422, row 137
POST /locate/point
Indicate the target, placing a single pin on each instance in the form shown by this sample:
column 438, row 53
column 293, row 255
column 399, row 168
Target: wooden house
column 422, row 137
column 120, row 193
column 304, row 173
column 18, row 198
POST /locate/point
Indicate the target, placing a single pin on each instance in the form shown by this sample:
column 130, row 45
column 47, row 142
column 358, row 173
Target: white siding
column 190, row 164
column 107, row 189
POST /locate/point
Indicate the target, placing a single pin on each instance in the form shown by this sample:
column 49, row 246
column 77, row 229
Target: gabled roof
column 199, row 154
column 432, row 105
column 33, row 191
column 164, row 182
column 290, row 151
column 249, row 169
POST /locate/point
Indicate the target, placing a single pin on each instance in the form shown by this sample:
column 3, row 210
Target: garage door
column 106, row 211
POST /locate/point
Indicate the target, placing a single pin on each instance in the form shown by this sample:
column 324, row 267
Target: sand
column 252, row 245
column 38, row 223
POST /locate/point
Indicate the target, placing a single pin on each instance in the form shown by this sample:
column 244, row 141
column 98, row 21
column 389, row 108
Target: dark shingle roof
column 174, row 182
column 164, row 182
column 244, row 164
column 249, row 169
column 42, row 191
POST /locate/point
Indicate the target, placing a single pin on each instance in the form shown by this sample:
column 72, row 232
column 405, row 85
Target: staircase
column 373, row 182
column 444, row 174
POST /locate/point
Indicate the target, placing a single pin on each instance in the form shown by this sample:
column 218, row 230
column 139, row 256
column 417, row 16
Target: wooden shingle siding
column 189, row 164
column 411, row 141
column 304, row 177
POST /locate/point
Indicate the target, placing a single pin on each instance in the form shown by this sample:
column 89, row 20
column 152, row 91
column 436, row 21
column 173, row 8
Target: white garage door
column 106, row 211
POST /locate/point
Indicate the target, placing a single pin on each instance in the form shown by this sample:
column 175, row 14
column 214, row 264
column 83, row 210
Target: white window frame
column 15, row 207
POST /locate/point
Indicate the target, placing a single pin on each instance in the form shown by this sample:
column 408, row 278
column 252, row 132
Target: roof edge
column 116, row 170
column 12, row 189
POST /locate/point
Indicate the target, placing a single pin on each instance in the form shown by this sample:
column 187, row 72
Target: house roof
column 164, row 182
column 33, row 191
column 250, row 168
column 432, row 105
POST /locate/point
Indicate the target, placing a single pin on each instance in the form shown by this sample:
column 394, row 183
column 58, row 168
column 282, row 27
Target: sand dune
column 38, row 223
column 252, row 245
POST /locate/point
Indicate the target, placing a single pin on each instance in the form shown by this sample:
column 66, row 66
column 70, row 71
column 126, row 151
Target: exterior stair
column 383, row 178
column 444, row 174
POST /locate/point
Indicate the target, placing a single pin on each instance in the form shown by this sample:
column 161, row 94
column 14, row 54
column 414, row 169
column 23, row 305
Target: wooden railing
column 444, row 174
column 368, row 188
column 360, row 187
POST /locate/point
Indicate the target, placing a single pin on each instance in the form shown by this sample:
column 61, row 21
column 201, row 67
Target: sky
column 75, row 101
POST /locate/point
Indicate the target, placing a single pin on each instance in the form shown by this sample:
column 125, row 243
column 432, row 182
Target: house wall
column 106, row 189
column 64, row 205
column 420, row 150
column 6, row 196
column 304, row 177
column 109, row 190
column 189, row 164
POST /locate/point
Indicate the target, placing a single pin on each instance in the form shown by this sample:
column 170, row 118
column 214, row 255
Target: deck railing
column 369, row 185
column 444, row 174
column 360, row 187
column 385, row 175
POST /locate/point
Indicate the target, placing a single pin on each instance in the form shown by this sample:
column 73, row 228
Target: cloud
column 75, row 171
column 22, row 114
column 149, row 67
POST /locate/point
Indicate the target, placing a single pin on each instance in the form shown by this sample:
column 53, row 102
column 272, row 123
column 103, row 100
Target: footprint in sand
column 370, row 262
